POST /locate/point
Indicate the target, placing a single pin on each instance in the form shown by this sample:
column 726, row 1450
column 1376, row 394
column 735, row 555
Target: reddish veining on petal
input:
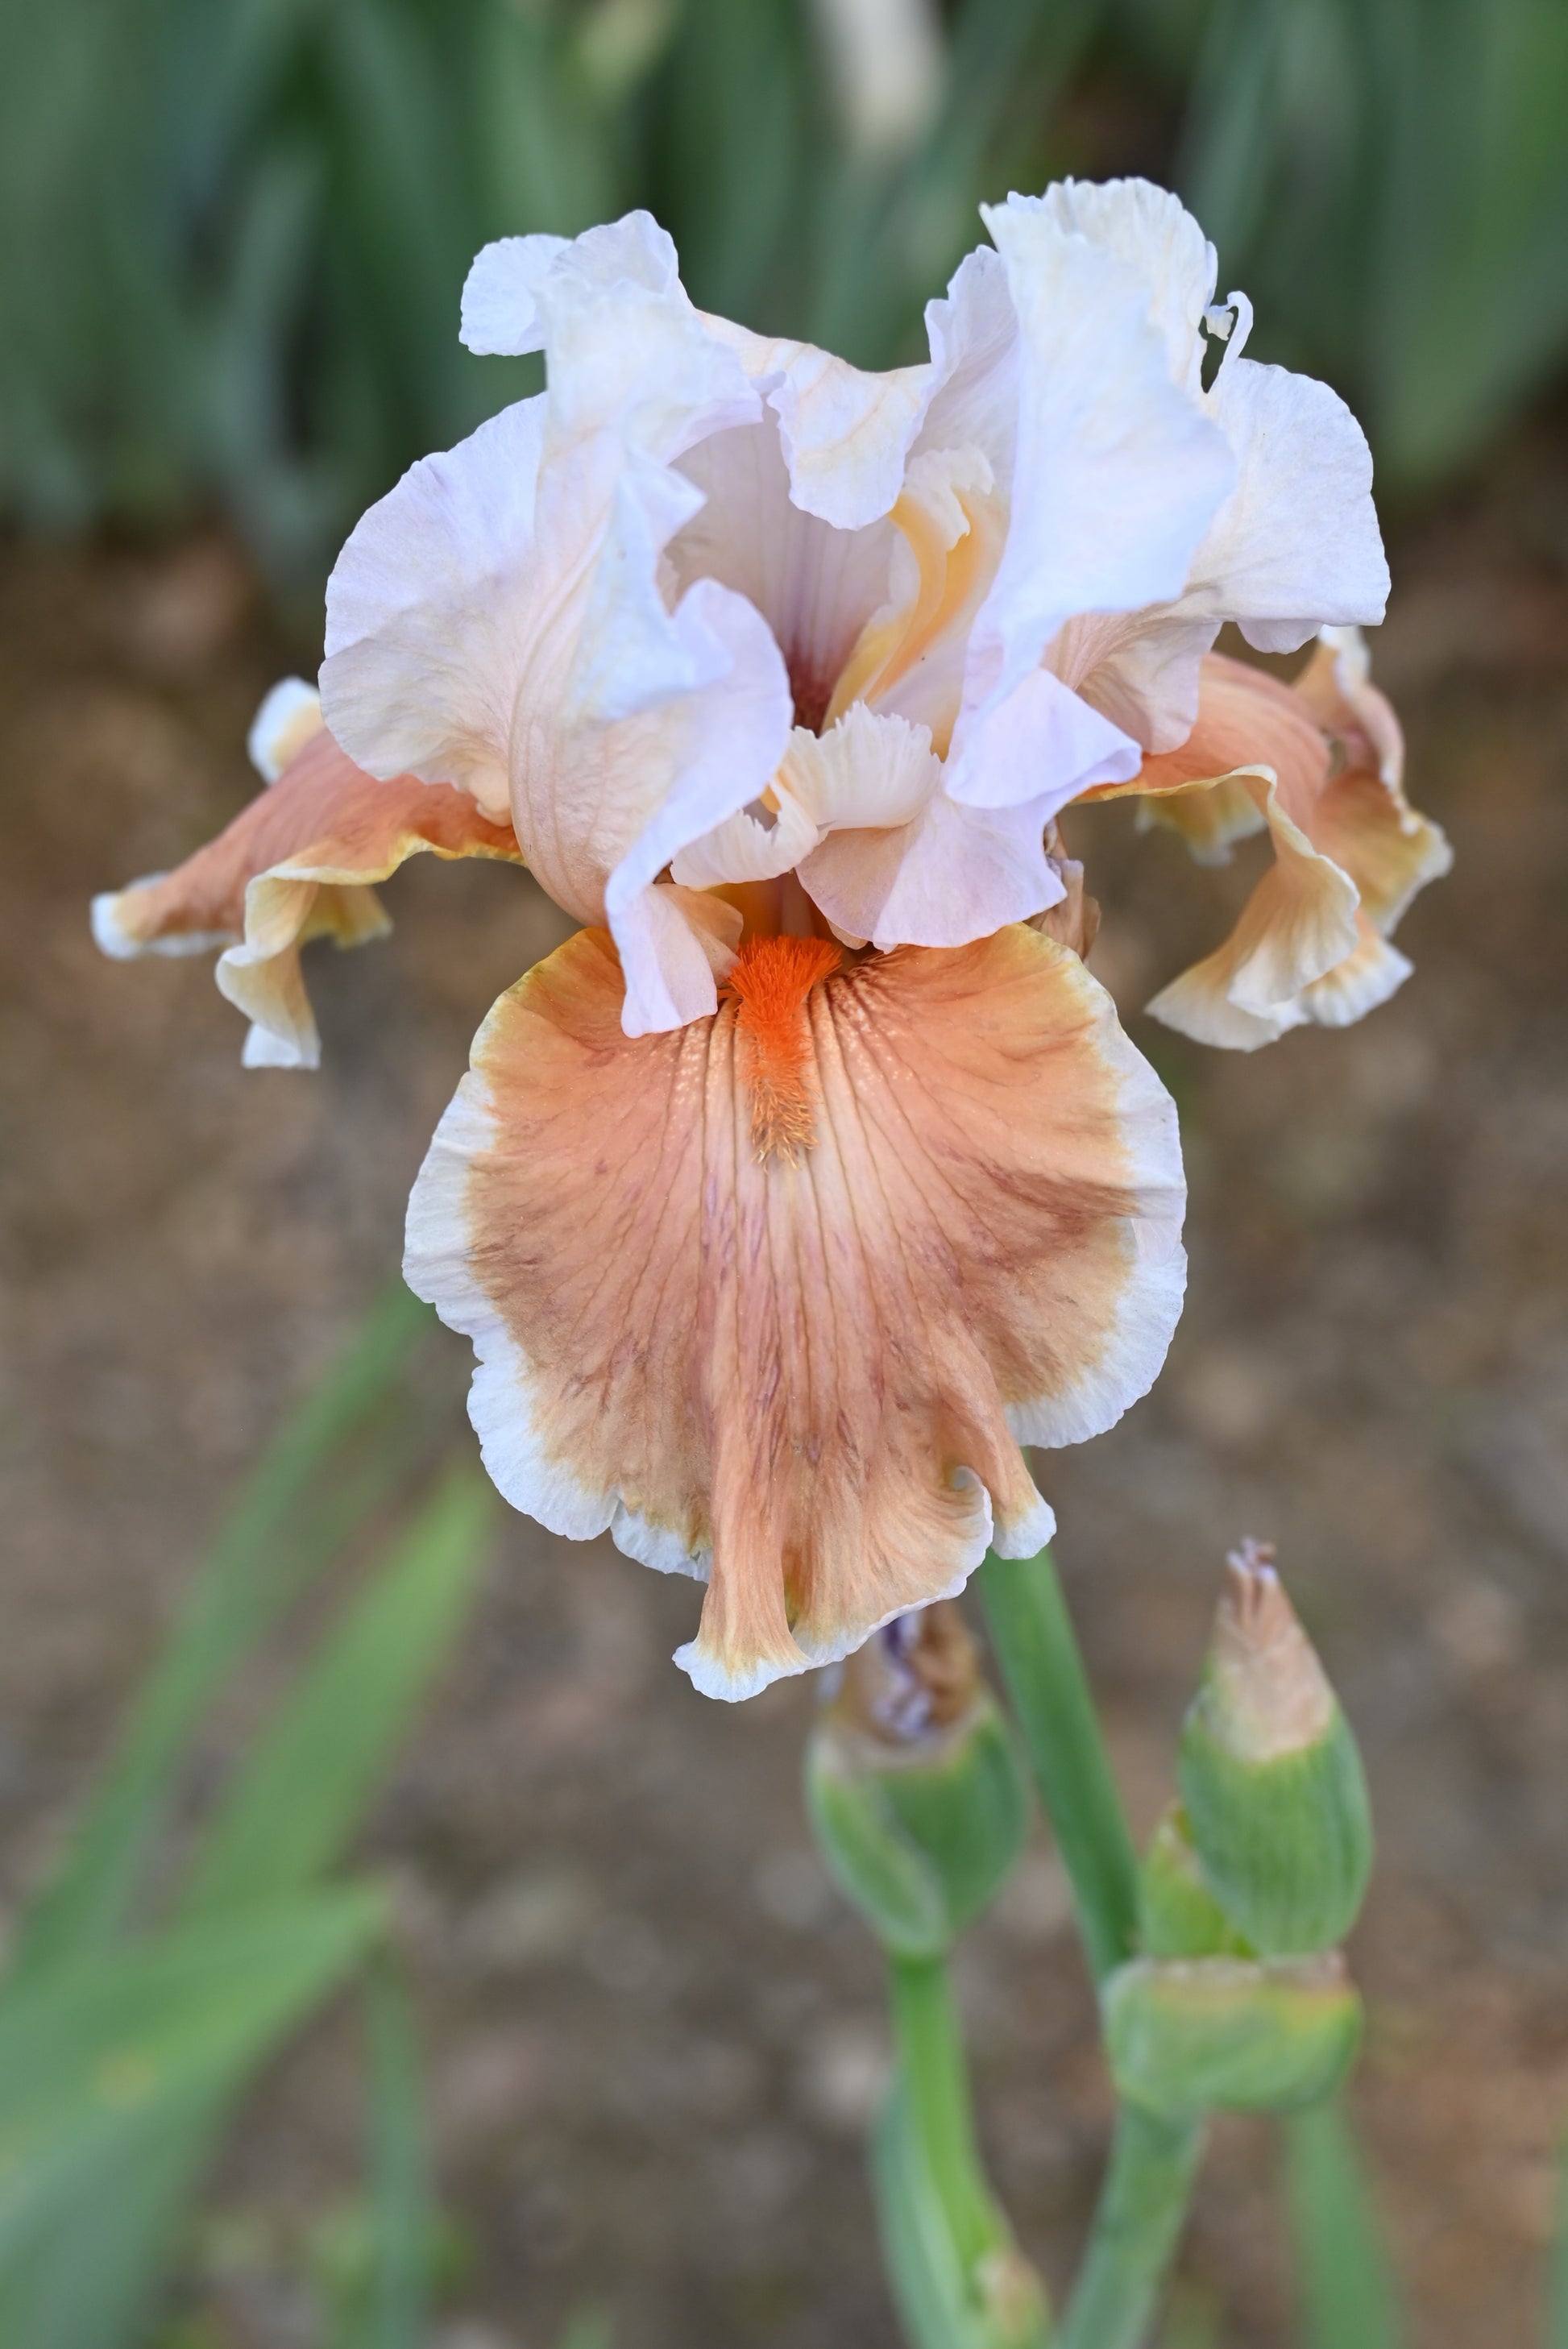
column 809, row 1379
column 770, row 981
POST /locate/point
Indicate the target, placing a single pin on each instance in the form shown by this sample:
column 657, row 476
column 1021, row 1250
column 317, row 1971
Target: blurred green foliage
column 235, row 231
column 164, row 1961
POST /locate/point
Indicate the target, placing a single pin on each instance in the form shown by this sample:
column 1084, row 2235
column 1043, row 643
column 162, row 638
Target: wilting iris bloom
column 814, row 1176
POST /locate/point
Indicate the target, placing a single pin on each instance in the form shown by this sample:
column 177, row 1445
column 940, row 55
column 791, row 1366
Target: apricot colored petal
column 1365, row 821
column 1208, row 817
column 1338, row 688
column 295, row 863
column 804, row 1380
column 1246, row 720
column 1368, row 976
column 1299, row 924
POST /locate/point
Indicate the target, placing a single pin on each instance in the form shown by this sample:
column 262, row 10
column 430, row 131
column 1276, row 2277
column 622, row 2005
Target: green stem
column 1138, row 2219
column 1033, row 1635
column 1146, row 2187
column 936, row 2080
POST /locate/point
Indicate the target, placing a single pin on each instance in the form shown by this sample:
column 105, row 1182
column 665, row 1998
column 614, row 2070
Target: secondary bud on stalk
column 1177, row 1916
column 913, row 1783
column 1229, row 2035
column 1270, row 1780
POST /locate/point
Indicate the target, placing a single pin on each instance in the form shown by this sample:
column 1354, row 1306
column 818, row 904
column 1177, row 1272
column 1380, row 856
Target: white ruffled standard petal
column 623, row 344
column 846, row 434
column 953, row 875
column 1117, row 472
column 1294, row 546
column 1152, row 231
column 499, row 621
column 815, row 585
column 428, row 613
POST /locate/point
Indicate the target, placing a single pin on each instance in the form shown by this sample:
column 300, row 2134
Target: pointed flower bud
column 1229, row 2035
column 1270, row 1776
column 915, row 1785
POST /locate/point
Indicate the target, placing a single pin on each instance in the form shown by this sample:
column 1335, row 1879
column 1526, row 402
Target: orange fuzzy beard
column 770, row 981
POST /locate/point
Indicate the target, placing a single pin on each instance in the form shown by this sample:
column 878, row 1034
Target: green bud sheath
column 1177, row 1916
column 915, row 1785
column 1229, row 2034
column 1270, row 1780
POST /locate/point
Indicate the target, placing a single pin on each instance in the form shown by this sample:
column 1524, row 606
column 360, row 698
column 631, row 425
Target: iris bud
column 915, row 1785
column 1177, row 1916
column 1270, row 1780
column 1229, row 2035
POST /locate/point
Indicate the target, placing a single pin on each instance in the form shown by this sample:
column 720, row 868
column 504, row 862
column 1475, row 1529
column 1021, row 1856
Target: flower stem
column 1143, row 2204
column 1144, row 2197
column 937, row 2080
column 1033, row 1635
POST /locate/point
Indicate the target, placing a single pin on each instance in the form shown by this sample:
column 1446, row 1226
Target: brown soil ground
column 653, row 2034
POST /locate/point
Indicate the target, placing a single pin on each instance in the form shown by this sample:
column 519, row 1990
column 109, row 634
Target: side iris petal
column 298, row 863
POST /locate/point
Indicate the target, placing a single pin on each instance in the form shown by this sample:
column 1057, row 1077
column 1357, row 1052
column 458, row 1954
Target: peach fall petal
column 776, row 1298
column 295, row 864
column 1320, row 763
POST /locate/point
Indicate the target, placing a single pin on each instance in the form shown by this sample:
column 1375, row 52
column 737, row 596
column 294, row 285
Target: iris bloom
column 814, row 1176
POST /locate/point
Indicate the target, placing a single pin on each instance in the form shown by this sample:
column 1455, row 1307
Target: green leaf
column 1347, row 2292
column 299, row 1797
column 260, row 1564
column 402, row 2220
column 588, row 2328
column 113, row 2055
column 1557, row 2268
column 65, row 2290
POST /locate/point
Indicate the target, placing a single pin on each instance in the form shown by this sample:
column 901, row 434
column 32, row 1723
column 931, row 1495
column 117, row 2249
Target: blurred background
column 424, row 1962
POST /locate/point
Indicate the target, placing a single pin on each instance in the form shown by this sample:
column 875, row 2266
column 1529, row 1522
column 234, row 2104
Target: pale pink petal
column 531, row 645
column 430, row 612
column 1118, row 472
column 974, row 355
column 1153, row 233
column 867, row 771
column 952, row 875
column 624, row 347
column 1297, row 544
column 846, row 434
column 1043, row 744
column 816, row 586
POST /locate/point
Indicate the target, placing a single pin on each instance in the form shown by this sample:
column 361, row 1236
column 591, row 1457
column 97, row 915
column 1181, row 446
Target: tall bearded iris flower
column 814, row 1175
